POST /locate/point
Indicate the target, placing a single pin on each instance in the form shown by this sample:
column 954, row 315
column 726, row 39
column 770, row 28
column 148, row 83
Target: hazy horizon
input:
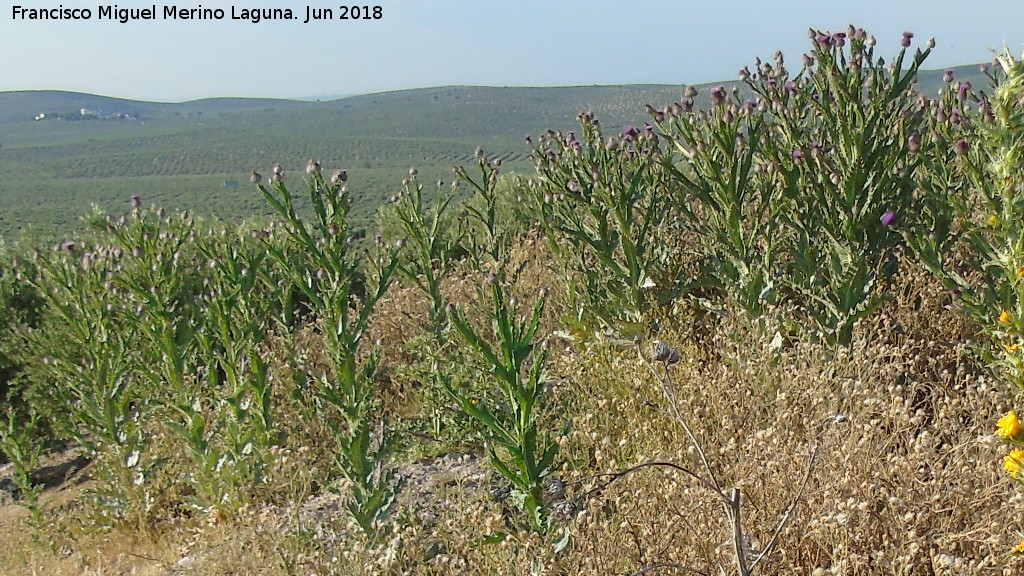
column 458, row 42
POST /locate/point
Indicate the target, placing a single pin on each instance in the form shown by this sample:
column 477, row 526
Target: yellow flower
column 1012, row 347
column 1005, row 317
column 1020, row 271
column 993, row 220
column 1019, row 548
column 1009, row 426
column 1013, row 461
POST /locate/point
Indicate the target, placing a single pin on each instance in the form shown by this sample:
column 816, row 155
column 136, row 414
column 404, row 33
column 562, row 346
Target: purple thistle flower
column 888, row 218
column 798, row 157
column 808, row 60
column 68, row 245
column 630, row 132
column 686, row 103
column 961, row 91
column 961, row 147
column 790, row 87
column 718, row 95
column 907, row 37
column 839, row 39
column 824, row 40
column 947, row 76
column 573, row 187
column 914, row 142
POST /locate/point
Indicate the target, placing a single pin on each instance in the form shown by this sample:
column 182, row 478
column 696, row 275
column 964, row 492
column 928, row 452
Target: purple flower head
column 907, row 37
column 955, row 116
column 136, row 201
column 914, row 142
column 961, row 91
column 808, row 60
column 68, row 245
column 690, row 92
column 839, row 39
column 659, row 116
column 947, row 76
column 790, row 87
column 750, row 104
column 961, row 147
column 728, row 116
column 630, row 132
column 573, row 187
column 888, row 218
column 941, row 115
column 686, row 104
column 798, row 157
column 824, row 40
column 718, row 95
column 772, row 83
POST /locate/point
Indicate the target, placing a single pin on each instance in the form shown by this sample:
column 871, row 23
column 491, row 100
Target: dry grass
column 907, row 481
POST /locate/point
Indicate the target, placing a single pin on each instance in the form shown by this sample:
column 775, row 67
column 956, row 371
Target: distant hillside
column 198, row 155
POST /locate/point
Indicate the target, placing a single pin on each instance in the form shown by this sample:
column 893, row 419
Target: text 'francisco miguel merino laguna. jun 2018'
column 113, row 12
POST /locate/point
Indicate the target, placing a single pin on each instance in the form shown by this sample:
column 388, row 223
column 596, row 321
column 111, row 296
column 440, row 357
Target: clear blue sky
column 420, row 43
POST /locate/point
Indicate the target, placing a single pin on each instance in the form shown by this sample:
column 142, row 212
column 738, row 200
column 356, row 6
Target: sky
column 420, row 43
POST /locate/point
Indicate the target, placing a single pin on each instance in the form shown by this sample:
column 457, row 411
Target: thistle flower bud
column 907, row 37
column 718, row 95
column 931, row 43
column 136, row 201
column 914, row 142
column 339, row 177
column 401, row 242
column 744, row 73
column 312, row 167
column 256, row 177
column 888, row 218
column 947, row 76
column 961, row 147
column 278, row 169
column 798, row 157
column 492, row 278
column 808, row 60
column 413, row 171
column 544, row 292
column 479, row 152
column 962, row 90
column 690, row 92
column 333, row 229
column 661, row 352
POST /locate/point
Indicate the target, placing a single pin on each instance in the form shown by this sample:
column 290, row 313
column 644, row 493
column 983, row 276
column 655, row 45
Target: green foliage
column 514, row 424
column 604, row 206
column 342, row 295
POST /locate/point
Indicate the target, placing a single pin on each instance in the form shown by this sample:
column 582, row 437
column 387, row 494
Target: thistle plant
column 849, row 144
column 513, row 360
column 101, row 401
column 342, row 293
column 484, row 236
column 22, row 442
column 603, row 205
column 722, row 190
column 436, row 238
